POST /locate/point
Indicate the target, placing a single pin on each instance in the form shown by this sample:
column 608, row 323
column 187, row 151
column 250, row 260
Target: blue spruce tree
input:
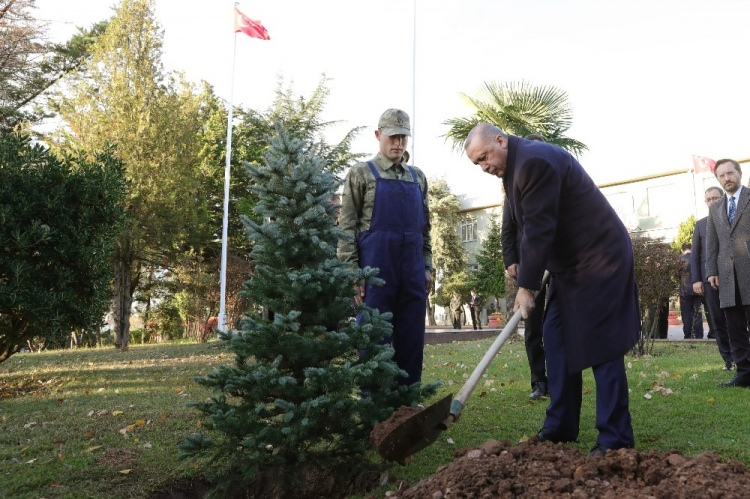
column 293, row 401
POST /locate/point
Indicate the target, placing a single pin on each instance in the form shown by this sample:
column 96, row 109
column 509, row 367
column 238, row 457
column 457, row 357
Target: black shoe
column 598, row 450
column 551, row 436
column 539, row 391
column 741, row 381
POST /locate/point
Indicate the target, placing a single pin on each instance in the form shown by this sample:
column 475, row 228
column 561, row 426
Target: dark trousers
column 533, row 339
column 564, row 411
column 692, row 318
column 739, row 337
column 456, row 319
column 476, row 320
column 717, row 322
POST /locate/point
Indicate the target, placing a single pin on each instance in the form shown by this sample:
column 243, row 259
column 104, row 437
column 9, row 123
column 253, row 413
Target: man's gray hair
column 483, row 131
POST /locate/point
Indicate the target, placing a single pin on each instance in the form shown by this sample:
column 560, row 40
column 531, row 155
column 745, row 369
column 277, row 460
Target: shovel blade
column 416, row 432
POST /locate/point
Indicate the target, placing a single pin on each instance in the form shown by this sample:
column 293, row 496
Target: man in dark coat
column 592, row 318
column 716, row 319
column 690, row 301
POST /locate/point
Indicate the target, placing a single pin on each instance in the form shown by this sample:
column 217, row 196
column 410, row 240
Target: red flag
column 701, row 164
column 248, row 26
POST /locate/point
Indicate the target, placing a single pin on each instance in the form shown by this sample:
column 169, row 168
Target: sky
column 650, row 82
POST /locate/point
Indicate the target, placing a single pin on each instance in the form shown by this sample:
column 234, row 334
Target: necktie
column 732, row 210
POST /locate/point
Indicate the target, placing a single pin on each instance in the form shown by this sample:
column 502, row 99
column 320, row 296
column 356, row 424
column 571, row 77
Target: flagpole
column 414, row 86
column 227, row 174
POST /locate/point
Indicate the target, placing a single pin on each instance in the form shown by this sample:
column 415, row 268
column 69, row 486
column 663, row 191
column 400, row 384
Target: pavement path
column 444, row 334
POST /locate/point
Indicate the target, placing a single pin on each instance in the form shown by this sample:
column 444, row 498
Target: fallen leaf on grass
column 125, row 472
column 164, row 416
column 711, row 400
column 117, row 413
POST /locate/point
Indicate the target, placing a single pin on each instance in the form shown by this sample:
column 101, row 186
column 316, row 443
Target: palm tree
column 521, row 109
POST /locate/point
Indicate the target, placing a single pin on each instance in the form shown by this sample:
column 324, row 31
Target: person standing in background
column 717, row 321
column 456, row 307
column 728, row 263
column 690, row 302
column 532, row 333
column 475, row 308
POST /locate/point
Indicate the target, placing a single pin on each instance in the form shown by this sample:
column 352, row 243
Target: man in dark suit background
column 510, row 237
column 728, row 262
column 690, row 302
column 716, row 320
column 592, row 318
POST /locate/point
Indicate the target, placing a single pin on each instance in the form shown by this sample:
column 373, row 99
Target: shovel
column 420, row 429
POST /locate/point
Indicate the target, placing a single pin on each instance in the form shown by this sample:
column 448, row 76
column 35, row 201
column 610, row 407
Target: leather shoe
column 741, row 381
column 598, row 450
column 551, row 436
column 539, row 391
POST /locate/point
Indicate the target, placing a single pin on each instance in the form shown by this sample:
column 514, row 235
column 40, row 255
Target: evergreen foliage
column 58, row 222
column 293, row 397
column 684, row 233
column 657, row 274
column 489, row 280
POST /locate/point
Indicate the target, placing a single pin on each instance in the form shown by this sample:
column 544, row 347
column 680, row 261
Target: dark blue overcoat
column 570, row 228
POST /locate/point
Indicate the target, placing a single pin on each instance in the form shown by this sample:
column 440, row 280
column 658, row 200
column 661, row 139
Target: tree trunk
column 430, row 312
column 123, row 298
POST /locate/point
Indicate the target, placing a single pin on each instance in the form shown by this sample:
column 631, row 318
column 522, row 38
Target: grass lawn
column 101, row 423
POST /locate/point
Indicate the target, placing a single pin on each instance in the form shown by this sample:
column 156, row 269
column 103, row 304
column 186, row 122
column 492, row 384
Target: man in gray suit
column 728, row 262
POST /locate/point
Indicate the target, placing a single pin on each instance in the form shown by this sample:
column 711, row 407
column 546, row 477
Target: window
column 468, row 229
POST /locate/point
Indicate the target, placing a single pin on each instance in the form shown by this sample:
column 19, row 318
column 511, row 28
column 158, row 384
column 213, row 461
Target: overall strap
column 373, row 169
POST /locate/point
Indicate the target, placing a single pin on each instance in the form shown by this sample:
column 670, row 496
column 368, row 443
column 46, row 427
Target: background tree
column 657, row 275
column 253, row 132
column 124, row 97
column 448, row 254
column 291, row 401
column 519, row 108
column 58, row 221
column 684, row 233
column 30, row 64
column 489, row 279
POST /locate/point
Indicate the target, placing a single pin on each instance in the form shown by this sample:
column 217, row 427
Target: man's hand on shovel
column 524, row 302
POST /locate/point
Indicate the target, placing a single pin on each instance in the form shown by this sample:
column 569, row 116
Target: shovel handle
column 466, row 390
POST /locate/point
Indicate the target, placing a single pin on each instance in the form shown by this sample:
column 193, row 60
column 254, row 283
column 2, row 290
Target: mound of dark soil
column 534, row 469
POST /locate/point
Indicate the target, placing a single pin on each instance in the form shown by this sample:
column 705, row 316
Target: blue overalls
column 394, row 244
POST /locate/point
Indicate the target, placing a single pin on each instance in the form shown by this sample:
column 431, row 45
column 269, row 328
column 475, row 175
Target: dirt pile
column 536, row 469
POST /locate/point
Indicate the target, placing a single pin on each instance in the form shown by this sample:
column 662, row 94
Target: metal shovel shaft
column 463, row 395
